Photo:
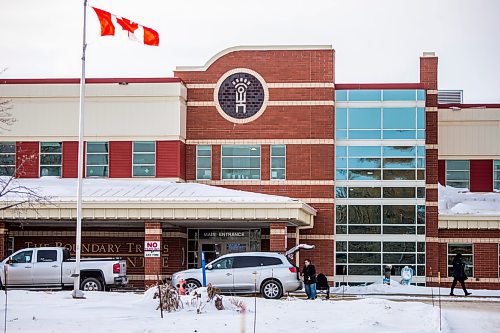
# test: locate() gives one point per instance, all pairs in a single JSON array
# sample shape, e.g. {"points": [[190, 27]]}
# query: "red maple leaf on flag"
{"points": [[127, 25]]}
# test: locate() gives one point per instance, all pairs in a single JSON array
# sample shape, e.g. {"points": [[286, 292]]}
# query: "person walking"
{"points": [[459, 274], [309, 274]]}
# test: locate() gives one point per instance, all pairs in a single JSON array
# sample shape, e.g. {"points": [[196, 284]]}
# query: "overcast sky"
{"points": [[375, 40]]}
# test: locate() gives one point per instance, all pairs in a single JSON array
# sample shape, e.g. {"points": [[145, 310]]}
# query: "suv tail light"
{"points": [[293, 269], [116, 268]]}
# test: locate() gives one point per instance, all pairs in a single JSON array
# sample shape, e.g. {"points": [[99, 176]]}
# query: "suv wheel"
{"points": [[191, 285], [272, 289]]}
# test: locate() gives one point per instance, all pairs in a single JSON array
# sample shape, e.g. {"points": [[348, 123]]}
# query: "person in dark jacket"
{"points": [[459, 274], [309, 274]]}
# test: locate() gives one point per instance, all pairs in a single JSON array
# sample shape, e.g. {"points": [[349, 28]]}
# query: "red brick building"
{"points": [[264, 120]]}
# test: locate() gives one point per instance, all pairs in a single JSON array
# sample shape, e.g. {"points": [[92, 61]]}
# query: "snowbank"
{"points": [[396, 288], [456, 201]]}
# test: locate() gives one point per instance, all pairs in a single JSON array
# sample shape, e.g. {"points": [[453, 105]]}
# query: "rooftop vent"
{"points": [[429, 54], [450, 96]]}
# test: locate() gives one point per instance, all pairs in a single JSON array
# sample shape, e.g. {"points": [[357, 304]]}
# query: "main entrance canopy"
{"points": [[178, 204]]}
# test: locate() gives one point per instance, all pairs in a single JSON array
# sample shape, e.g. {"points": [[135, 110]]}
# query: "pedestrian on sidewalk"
{"points": [[309, 275], [459, 274]]}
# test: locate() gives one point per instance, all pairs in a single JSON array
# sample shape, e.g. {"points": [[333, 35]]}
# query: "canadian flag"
{"points": [[111, 23]]}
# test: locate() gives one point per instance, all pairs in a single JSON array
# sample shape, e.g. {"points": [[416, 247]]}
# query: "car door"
{"points": [[20, 270], [246, 270], [47, 268], [220, 274]]}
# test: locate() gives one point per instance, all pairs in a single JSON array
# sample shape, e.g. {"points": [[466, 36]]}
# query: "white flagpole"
{"points": [[77, 293]]}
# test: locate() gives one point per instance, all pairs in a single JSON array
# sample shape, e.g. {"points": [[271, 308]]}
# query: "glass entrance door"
{"points": [[212, 251]]}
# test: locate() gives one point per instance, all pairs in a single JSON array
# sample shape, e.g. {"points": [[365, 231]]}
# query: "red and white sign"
{"points": [[152, 246]]}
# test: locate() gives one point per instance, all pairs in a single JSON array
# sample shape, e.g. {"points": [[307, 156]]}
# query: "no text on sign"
{"points": [[152, 246]]}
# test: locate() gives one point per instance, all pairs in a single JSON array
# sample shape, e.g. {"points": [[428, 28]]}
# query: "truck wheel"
{"points": [[272, 289], [91, 284], [192, 285]]}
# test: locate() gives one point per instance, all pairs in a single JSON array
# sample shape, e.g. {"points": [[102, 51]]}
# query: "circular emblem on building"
{"points": [[241, 95]]}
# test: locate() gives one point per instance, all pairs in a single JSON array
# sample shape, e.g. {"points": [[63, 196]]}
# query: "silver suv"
{"points": [[234, 273]]}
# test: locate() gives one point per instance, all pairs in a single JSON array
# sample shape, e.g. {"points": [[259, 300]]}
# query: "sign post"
{"points": [[203, 272]]}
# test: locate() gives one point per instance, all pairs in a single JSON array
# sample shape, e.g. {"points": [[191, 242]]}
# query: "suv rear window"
{"points": [[270, 261], [248, 261]]}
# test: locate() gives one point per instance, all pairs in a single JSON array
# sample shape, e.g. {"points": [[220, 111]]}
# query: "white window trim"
{"points": [[95, 165], [446, 173], [40, 165], [237, 180], [271, 163], [142, 153], [448, 255], [211, 153], [14, 153]]}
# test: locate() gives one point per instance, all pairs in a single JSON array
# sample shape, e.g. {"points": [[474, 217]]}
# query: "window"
{"points": [[278, 161], [144, 159], [458, 173], [240, 162], [496, 175], [203, 162], [46, 255], [269, 261], [7, 158], [50, 158], [369, 257], [380, 163], [387, 121], [467, 257], [243, 262], [97, 159], [22, 257], [225, 263]]}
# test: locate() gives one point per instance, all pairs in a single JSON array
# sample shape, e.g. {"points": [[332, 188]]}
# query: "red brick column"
{"points": [[3, 239], [429, 78], [152, 266], [278, 237]]}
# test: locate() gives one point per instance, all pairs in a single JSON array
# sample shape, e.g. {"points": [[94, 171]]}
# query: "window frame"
{"points": [[142, 164], [40, 165], [7, 166], [271, 162], [208, 157], [87, 165], [448, 255], [222, 157], [457, 170], [344, 250], [496, 172]]}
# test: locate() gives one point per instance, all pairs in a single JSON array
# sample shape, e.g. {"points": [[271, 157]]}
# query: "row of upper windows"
{"points": [[380, 162], [96, 159], [380, 123], [458, 174], [240, 162], [379, 95]]}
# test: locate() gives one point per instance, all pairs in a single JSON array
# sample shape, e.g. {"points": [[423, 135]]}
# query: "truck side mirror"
{"points": [[209, 267], [9, 261]]}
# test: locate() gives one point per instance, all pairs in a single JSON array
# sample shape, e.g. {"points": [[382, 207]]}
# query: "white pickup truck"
{"points": [[51, 267]]}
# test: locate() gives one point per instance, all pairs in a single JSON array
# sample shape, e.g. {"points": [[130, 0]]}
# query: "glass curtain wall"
{"points": [[379, 184]]}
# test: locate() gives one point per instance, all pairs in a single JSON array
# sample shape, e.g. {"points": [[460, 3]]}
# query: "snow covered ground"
{"points": [[30, 311]]}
